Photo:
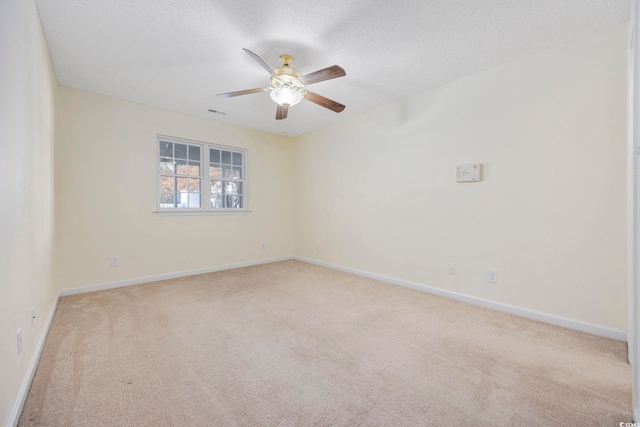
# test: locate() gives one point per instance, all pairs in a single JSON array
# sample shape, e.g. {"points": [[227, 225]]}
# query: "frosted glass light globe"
{"points": [[286, 96]]}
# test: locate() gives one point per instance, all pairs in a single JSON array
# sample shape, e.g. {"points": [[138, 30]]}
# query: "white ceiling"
{"points": [[177, 54]]}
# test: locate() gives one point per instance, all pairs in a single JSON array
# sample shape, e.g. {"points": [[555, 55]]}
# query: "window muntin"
{"points": [[182, 171]]}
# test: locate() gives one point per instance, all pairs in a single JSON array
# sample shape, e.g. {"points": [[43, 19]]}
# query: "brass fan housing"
{"points": [[286, 74]]}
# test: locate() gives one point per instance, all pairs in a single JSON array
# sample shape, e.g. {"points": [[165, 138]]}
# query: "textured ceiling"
{"points": [[177, 54]]}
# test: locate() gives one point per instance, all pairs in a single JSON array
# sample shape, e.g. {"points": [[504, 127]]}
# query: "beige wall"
{"points": [[27, 89], [378, 191], [105, 165]]}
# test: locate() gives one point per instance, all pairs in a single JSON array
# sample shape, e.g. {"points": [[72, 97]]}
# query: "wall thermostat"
{"points": [[469, 172]]}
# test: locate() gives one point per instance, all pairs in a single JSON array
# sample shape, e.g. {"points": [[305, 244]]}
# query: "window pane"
{"points": [[194, 168], [215, 171], [194, 185], [194, 152], [231, 173], [166, 165], [167, 184], [182, 200], [166, 149], [166, 200], [237, 173], [181, 151], [216, 187], [227, 173], [231, 202], [231, 187], [226, 157], [214, 156], [181, 167], [216, 194], [238, 202], [194, 200], [237, 159], [182, 184]]}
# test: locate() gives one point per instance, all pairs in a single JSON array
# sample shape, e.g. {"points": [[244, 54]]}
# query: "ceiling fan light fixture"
{"points": [[288, 85], [286, 96]]}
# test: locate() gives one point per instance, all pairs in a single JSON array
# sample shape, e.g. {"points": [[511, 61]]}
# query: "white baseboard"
{"points": [[577, 325], [157, 278], [14, 417]]}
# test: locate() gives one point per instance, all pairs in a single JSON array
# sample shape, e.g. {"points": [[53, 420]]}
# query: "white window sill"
{"points": [[203, 212]]}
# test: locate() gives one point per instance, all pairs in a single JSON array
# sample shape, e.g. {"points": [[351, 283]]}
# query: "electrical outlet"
{"points": [[492, 276], [19, 341], [317, 246], [452, 269], [115, 261], [263, 246]]}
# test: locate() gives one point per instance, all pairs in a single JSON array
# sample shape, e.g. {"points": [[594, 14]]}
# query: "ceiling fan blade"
{"points": [[281, 112], [324, 102], [322, 75], [261, 62], [242, 92]]}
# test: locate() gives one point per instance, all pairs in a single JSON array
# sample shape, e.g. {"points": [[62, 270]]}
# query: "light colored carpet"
{"points": [[294, 344]]}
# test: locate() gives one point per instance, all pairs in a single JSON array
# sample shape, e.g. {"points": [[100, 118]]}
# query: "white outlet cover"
{"points": [[452, 269], [492, 276], [471, 172]]}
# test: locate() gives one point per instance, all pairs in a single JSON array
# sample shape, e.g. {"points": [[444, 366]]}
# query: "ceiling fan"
{"points": [[288, 85]]}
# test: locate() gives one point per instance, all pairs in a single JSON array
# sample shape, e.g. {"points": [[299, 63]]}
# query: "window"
{"points": [[200, 177]]}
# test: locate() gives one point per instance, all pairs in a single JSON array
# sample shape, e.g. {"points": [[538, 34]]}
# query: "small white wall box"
{"points": [[469, 173]]}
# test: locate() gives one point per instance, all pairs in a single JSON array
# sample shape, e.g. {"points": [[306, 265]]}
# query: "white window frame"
{"points": [[205, 180]]}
